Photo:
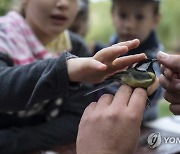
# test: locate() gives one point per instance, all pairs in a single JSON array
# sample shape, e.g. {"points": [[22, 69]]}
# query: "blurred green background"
{"points": [[4, 6], [169, 29], [100, 28]]}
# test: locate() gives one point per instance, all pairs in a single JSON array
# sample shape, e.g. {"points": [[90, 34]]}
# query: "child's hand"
{"points": [[103, 64]]}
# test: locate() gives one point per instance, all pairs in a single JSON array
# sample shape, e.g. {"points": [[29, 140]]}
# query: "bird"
{"points": [[142, 75]]}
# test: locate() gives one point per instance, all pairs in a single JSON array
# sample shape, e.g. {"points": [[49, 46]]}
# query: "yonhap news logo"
{"points": [[155, 139]]}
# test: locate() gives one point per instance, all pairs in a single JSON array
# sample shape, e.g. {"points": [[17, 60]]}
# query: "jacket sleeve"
{"points": [[22, 86], [59, 131]]}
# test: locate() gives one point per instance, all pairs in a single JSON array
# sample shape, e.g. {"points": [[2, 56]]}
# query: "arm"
{"points": [[49, 78], [57, 132], [22, 85]]}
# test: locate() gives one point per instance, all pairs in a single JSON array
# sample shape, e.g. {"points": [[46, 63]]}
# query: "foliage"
{"points": [[5, 4], [100, 26], [168, 29]]}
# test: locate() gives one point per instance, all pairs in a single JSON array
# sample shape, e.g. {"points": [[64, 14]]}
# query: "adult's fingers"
{"points": [[109, 54], [91, 107], [137, 102], [130, 44], [123, 62], [104, 101], [172, 97], [170, 61], [89, 110], [172, 85], [122, 96], [167, 72], [175, 109]]}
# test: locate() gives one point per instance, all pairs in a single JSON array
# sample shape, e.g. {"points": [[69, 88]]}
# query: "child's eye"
{"points": [[122, 15], [139, 17]]}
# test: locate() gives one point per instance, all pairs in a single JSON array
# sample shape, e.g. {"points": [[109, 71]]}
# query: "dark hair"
{"points": [[83, 11], [84, 6], [156, 4]]}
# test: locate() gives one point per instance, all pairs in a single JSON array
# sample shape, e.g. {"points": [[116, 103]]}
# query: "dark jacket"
{"points": [[55, 119]]}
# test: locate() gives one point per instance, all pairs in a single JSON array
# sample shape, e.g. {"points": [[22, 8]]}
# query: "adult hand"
{"points": [[112, 125], [170, 79]]}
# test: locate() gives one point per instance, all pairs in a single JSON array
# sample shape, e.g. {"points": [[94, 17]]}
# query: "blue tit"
{"points": [[142, 76]]}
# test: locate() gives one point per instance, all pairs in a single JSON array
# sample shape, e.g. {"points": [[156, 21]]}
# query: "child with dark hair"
{"points": [[138, 19]]}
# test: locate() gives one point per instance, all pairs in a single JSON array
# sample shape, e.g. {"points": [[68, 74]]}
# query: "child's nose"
{"points": [[63, 3], [130, 23]]}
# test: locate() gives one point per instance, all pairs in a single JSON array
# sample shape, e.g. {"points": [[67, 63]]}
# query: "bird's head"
{"points": [[146, 65]]}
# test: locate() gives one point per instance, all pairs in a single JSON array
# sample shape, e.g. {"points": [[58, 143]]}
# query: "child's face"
{"points": [[50, 17], [133, 19]]}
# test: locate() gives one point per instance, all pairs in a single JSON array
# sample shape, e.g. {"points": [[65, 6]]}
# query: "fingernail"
{"points": [[163, 55]]}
